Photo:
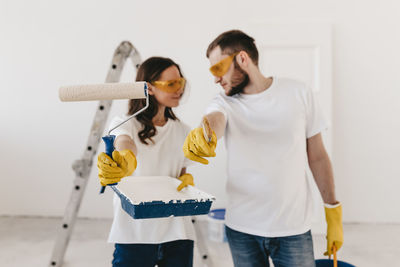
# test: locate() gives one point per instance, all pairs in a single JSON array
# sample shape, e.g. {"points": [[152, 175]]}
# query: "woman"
{"points": [[152, 142]]}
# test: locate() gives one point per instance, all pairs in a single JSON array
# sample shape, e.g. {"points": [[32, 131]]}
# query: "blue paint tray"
{"points": [[156, 196], [329, 263]]}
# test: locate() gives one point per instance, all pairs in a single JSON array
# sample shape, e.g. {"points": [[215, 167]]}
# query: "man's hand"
{"points": [[187, 179], [335, 228], [196, 146], [112, 170]]}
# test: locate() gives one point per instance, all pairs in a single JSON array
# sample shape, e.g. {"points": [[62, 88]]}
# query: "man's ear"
{"points": [[243, 59]]}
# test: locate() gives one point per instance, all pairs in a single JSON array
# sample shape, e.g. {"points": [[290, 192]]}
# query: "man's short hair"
{"points": [[235, 41]]}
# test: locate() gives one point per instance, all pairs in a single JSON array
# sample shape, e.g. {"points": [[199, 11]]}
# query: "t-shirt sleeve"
{"points": [[124, 129], [217, 104], [316, 121]]}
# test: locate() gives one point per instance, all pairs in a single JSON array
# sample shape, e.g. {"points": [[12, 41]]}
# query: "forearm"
{"points": [[217, 123], [323, 176], [125, 142]]}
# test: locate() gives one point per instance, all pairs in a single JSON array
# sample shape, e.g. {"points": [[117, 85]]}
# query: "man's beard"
{"points": [[240, 80]]}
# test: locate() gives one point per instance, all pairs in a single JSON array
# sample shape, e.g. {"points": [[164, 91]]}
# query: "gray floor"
{"points": [[27, 241]]}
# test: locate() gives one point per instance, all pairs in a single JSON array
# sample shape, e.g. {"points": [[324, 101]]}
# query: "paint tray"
{"points": [[156, 196]]}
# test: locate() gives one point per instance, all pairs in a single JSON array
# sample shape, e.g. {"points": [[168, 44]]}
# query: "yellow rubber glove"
{"points": [[196, 146], [112, 170], [335, 228], [187, 179]]}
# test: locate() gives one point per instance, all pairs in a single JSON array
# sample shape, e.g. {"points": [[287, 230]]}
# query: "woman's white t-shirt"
{"points": [[266, 136], [164, 157]]}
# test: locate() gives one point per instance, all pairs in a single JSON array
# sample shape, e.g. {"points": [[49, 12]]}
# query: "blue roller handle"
{"points": [[109, 142]]}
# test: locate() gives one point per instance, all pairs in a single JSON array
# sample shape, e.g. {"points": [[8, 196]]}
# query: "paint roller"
{"points": [[106, 91]]}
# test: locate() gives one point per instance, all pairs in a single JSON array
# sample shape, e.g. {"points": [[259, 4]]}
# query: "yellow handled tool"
{"points": [[207, 131]]}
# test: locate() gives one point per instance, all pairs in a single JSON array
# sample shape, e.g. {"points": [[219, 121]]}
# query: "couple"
{"points": [[272, 129]]}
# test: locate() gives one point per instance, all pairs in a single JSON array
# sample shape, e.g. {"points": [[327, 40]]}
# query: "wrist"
{"points": [[332, 205]]}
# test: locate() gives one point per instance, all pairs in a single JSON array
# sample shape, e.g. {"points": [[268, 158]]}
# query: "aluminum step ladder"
{"points": [[83, 166]]}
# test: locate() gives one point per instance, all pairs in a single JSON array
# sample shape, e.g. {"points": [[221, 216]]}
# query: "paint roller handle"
{"points": [[109, 143], [207, 131]]}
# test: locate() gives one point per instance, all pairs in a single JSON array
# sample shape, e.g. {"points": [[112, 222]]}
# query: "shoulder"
{"points": [[222, 100], [291, 84], [184, 127], [292, 88]]}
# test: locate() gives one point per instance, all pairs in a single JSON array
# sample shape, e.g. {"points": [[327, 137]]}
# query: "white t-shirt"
{"points": [[265, 137], [163, 158]]}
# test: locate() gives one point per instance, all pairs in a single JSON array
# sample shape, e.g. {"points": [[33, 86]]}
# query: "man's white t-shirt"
{"points": [[163, 158], [265, 137]]}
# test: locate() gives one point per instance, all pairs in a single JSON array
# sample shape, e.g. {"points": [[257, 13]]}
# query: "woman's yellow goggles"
{"points": [[170, 86], [221, 68]]}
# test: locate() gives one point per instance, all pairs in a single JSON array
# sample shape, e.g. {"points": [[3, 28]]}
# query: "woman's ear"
{"points": [[150, 89]]}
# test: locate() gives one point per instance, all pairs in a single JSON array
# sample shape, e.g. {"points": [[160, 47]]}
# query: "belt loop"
{"points": [[160, 252]]}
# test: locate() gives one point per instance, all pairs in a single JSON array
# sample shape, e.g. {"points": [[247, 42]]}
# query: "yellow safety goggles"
{"points": [[170, 86], [221, 68]]}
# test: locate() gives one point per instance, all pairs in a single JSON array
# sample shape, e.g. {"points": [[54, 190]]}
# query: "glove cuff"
{"points": [[125, 152], [131, 161], [333, 215], [185, 175], [330, 206]]}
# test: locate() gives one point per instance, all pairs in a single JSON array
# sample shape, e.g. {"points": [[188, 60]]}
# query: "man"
{"points": [[272, 129]]}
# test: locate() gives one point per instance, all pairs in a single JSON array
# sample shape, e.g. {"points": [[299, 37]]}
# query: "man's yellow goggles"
{"points": [[221, 68], [170, 86]]}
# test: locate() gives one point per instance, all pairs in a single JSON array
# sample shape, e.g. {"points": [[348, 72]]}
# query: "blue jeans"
{"points": [[253, 251], [177, 253]]}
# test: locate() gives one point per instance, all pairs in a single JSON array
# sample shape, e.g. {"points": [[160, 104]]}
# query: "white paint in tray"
{"points": [[159, 188]]}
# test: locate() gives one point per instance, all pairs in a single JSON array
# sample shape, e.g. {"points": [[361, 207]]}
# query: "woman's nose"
{"points": [[179, 92]]}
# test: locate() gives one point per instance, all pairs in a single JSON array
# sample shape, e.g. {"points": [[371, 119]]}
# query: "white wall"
{"points": [[45, 44]]}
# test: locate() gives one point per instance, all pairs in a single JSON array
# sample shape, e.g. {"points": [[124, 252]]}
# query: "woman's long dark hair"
{"points": [[150, 71]]}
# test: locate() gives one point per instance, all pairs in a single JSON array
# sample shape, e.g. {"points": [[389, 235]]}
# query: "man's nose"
{"points": [[217, 79]]}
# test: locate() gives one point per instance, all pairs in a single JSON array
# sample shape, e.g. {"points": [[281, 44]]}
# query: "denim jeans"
{"points": [[254, 251], [177, 253]]}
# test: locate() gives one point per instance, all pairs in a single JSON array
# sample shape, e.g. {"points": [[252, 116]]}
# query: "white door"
{"points": [[300, 51]]}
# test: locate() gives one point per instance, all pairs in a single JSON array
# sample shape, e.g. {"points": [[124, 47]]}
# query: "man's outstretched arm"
{"points": [[217, 122]]}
